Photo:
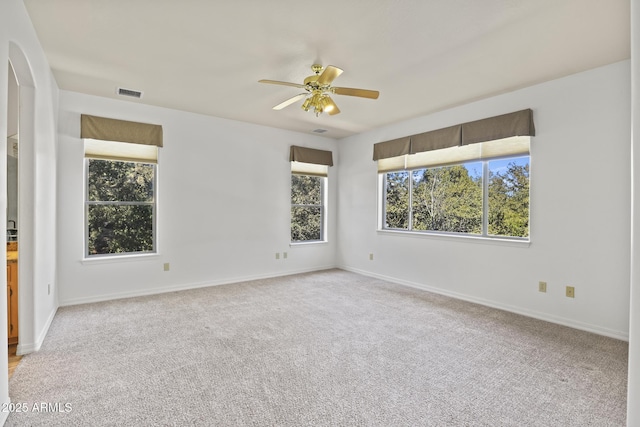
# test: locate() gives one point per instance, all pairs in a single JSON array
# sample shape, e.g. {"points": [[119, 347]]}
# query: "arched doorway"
{"points": [[25, 201], [13, 137]]}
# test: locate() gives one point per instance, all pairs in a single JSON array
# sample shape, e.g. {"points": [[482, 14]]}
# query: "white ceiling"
{"points": [[206, 56]]}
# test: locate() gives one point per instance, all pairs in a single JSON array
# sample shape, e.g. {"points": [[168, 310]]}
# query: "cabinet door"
{"points": [[8, 301], [12, 302]]}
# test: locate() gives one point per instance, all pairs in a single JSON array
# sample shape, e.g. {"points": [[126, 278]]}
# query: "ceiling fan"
{"points": [[318, 88]]}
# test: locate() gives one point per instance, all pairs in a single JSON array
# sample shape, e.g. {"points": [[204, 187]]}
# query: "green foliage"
{"points": [[306, 208], [397, 200], [120, 229], [447, 199], [120, 207], [116, 181], [509, 201]]}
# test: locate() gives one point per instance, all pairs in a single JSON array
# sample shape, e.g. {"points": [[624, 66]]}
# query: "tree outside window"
{"points": [[120, 207], [455, 199], [307, 208]]}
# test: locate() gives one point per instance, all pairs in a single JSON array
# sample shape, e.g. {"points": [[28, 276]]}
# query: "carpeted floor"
{"points": [[330, 348]]}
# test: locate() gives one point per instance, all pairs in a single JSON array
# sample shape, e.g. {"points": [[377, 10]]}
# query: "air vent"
{"points": [[129, 92], [319, 130]]}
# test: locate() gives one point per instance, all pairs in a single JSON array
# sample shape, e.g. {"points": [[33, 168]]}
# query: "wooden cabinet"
{"points": [[12, 301]]}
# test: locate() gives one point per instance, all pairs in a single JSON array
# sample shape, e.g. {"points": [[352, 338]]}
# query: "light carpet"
{"points": [[330, 348]]}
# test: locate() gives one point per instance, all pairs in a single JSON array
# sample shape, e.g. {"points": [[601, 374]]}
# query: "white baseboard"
{"points": [[596, 329], [26, 348], [184, 287]]}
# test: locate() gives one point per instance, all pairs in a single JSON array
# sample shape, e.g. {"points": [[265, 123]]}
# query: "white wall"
{"points": [[12, 103], [580, 209], [38, 118], [224, 204], [633, 397]]}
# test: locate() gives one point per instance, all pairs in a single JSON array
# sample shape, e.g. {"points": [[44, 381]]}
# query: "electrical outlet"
{"points": [[370, 257], [48, 288], [284, 255], [277, 255], [166, 266], [571, 292], [542, 286]]}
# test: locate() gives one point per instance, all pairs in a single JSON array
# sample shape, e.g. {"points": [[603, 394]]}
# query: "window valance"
{"points": [[393, 148], [310, 161], [93, 127], [519, 123], [436, 139], [310, 155]]}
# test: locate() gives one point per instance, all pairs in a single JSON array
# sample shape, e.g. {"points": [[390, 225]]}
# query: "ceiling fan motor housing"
{"points": [[311, 80]]}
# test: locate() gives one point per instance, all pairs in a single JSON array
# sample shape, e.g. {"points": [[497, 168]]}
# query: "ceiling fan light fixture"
{"points": [[306, 104], [318, 87], [326, 105]]}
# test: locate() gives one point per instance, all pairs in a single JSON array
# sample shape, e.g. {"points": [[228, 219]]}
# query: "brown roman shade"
{"points": [[519, 123], [436, 139], [497, 136], [310, 155], [310, 161], [393, 148], [105, 129]]}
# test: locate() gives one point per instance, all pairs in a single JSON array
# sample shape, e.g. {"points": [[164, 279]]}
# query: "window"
{"points": [[309, 171], [307, 208], [508, 197], [471, 178], [120, 185], [488, 198], [120, 207]]}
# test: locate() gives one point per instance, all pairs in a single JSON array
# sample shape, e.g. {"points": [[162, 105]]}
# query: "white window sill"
{"points": [[466, 238], [312, 243], [110, 259]]}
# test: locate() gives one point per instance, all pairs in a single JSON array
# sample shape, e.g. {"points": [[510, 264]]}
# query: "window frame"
{"points": [[154, 220], [382, 211], [323, 210]]}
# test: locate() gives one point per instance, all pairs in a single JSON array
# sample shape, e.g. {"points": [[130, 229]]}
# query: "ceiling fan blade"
{"points": [[289, 101], [328, 75], [362, 93], [330, 107], [276, 82]]}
